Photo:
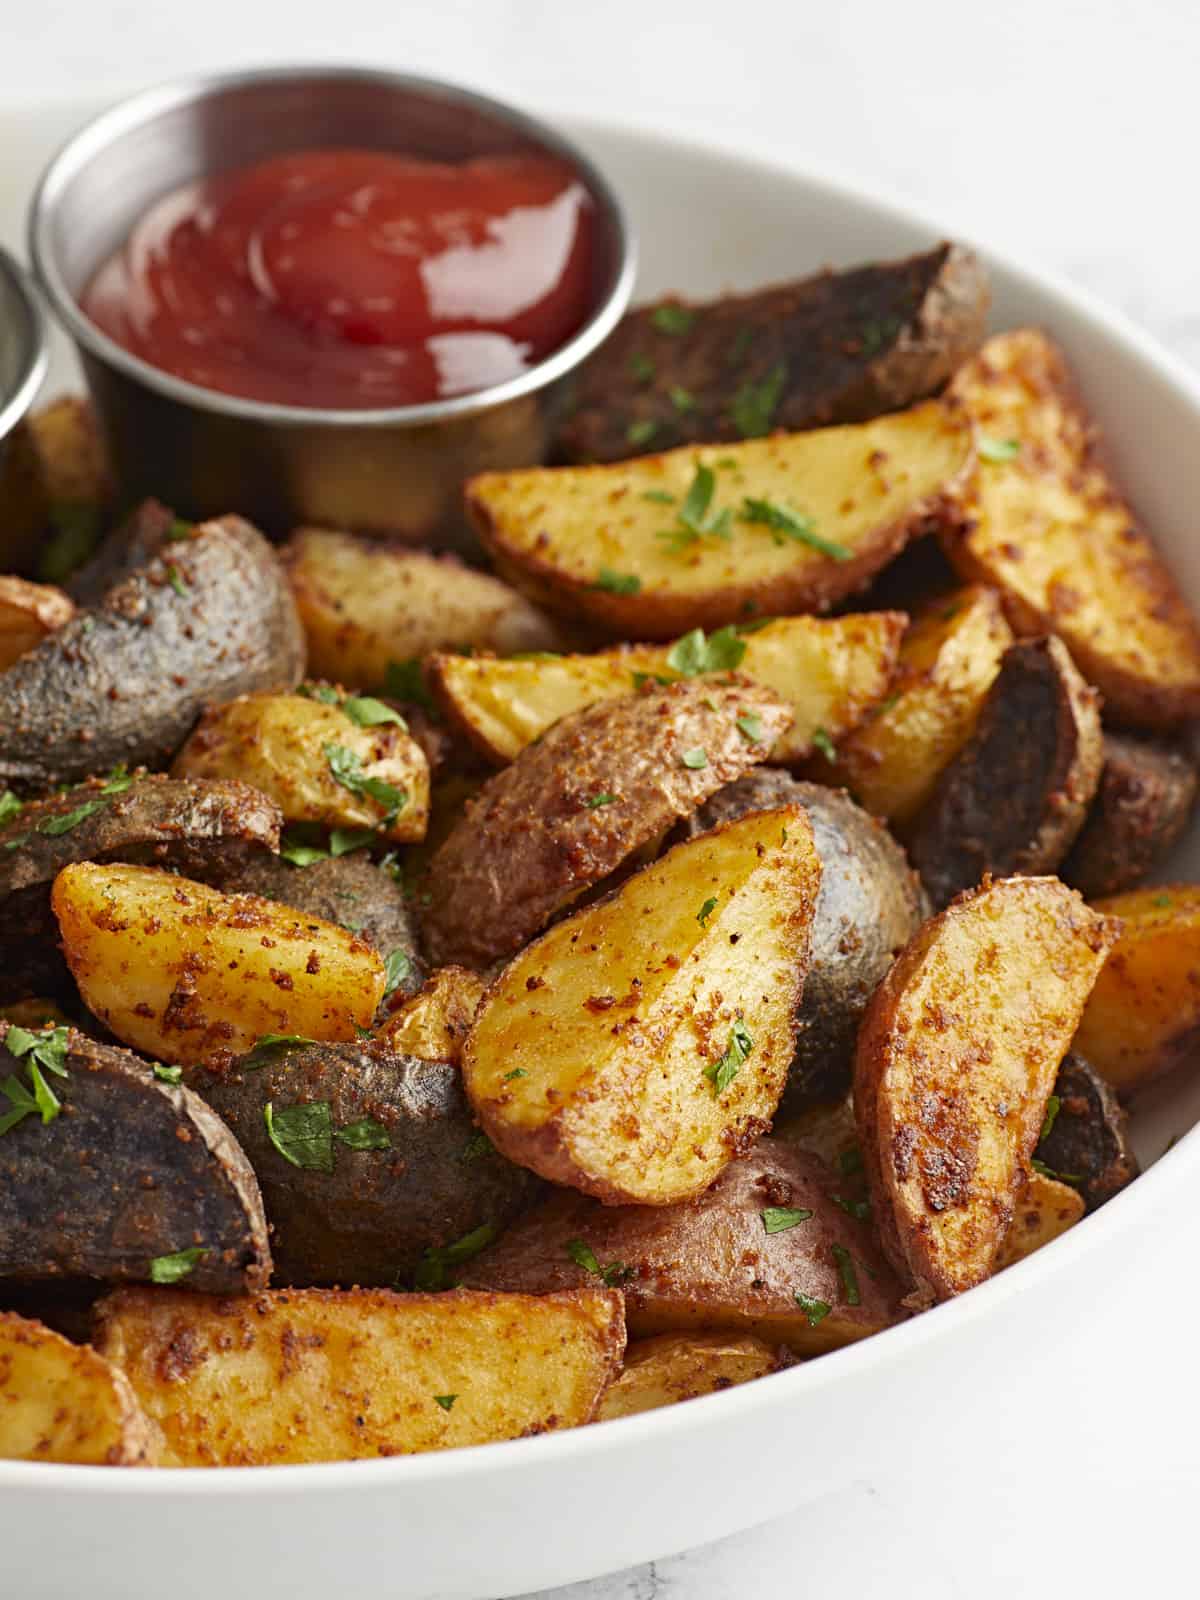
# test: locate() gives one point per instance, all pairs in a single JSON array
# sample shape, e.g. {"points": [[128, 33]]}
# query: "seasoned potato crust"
{"points": [[683, 1366]]}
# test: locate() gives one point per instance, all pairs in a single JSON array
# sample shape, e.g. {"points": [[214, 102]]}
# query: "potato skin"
{"points": [[852, 344], [869, 907], [28, 612], [1142, 806], [371, 1219], [529, 842], [1016, 795], [1088, 1139], [106, 688], [132, 1169], [206, 830], [710, 1264]]}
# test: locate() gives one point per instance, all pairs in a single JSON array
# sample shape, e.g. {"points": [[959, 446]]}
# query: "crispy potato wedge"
{"points": [[1087, 1140], [642, 1043], [327, 1375], [315, 762], [948, 661], [580, 803], [1015, 796], [683, 1366], [433, 1023], [180, 970], [119, 1171], [831, 671], [365, 605], [1142, 1018], [1045, 1208], [956, 1059], [585, 540], [1142, 806], [62, 1402], [28, 612], [1051, 531], [768, 1250]]}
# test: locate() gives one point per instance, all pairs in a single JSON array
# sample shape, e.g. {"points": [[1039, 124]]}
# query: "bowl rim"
{"points": [[143, 107], [839, 1368], [35, 355]]}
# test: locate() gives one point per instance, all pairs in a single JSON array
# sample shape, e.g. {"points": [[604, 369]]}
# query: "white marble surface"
{"points": [[1064, 130]]}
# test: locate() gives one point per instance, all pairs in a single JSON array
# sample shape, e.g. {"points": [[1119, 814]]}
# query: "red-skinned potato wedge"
{"points": [[641, 1044], [684, 1366], [1142, 1018], [293, 1376], [1045, 1209], [778, 1247], [831, 670], [1051, 531], [957, 1055], [62, 1402], [775, 526], [28, 612]]}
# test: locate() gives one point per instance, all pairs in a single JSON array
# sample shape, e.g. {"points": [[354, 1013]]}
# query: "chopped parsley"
{"points": [[617, 582], [1162, 901], [859, 1209], [168, 1074], [367, 712], [1052, 1108], [582, 1254], [876, 334], [682, 399], [343, 841], [404, 680], [295, 849], [517, 1072], [641, 431], [823, 743], [754, 404], [777, 1219], [178, 530], [52, 827], [850, 1161], [997, 450], [303, 1134], [268, 1045], [446, 1401], [1044, 1171], [395, 969], [432, 1270], [695, 653], [742, 340], [476, 1146], [76, 534], [785, 524], [641, 368], [673, 319], [19, 1098], [815, 1310], [706, 911], [47, 1048], [695, 518], [365, 1134], [749, 725], [696, 759], [639, 678], [175, 579], [346, 769], [596, 801], [170, 1269], [722, 1073], [845, 1266], [659, 496], [319, 691], [10, 807]]}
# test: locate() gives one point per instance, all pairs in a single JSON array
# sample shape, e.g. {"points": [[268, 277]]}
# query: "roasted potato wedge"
{"points": [[642, 1043], [367, 605], [684, 1366], [869, 907], [1145, 798], [768, 1250], [109, 1172], [62, 1402], [1052, 532], [207, 830], [831, 671], [125, 550], [780, 525], [28, 612], [433, 1023], [1045, 1209], [327, 1375], [368, 1161], [948, 661], [1084, 1137], [836, 347], [956, 1059], [1142, 1018], [180, 970], [572, 808], [210, 618], [1015, 796], [316, 762]]}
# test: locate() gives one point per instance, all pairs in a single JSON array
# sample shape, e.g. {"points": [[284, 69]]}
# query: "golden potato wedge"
{"points": [[63, 1402], [1051, 531], [434, 1023], [777, 1248], [638, 1046], [1142, 1018], [74, 465], [700, 537], [179, 970], [28, 612], [683, 1366], [365, 605], [1044, 1209], [831, 671], [316, 762], [957, 1055], [292, 1376], [948, 661]]}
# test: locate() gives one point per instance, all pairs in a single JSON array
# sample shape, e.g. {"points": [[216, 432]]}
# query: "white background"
{"points": [[1066, 131]]}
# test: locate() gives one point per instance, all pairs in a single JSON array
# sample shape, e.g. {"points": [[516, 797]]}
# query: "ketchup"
{"points": [[354, 278]]}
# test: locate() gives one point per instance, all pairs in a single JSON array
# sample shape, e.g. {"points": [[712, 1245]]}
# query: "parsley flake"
{"points": [[172, 1268], [682, 399], [175, 579], [446, 1401], [659, 496], [1059, 1177], [754, 404], [324, 692], [641, 431], [47, 1048], [1052, 1108], [268, 1045], [696, 759], [695, 653], [749, 725], [722, 1073], [297, 848], [431, 1273], [168, 1074], [10, 807], [997, 450], [404, 680], [673, 319], [815, 1310], [706, 911], [1162, 901], [859, 1209], [845, 1266], [777, 1219], [303, 1134], [476, 1146], [823, 743], [617, 582], [365, 1134], [695, 518], [346, 768], [517, 1072], [19, 1098], [367, 712], [395, 969], [582, 1254], [596, 801], [876, 334], [641, 368], [785, 524], [52, 827]]}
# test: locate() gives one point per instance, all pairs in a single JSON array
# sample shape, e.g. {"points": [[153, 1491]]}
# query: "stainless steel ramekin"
{"points": [[398, 470], [22, 347]]}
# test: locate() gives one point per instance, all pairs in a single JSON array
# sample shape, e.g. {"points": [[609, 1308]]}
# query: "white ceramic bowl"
{"points": [[507, 1518]]}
